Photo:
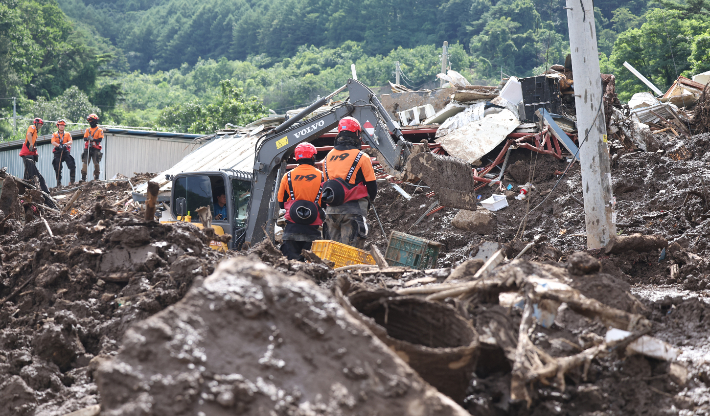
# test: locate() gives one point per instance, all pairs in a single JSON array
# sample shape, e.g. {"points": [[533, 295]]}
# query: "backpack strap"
{"points": [[320, 191], [290, 186], [325, 168], [352, 168]]}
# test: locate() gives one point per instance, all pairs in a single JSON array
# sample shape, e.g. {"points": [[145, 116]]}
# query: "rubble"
{"points": [[68, 298], [104, 310]]}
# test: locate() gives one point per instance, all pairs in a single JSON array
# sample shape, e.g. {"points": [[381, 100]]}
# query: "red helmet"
{"points": [[92, 117], [349, 124], [38, 121], [305, 150], [62, 122]]}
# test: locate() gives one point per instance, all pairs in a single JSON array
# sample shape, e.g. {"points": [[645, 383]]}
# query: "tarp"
{"points": [[474, 140]]}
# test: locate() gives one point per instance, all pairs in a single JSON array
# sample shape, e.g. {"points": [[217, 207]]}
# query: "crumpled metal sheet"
{"points": [[472, 113], [472, 141]]}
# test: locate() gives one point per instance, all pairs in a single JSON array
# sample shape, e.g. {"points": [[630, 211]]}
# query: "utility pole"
{"points": [[444, 61], [14, 114], [594, 153], [396, 72]]}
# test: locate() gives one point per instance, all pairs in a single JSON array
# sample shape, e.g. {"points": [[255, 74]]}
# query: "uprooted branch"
{"points": [[592, 308], [558, 367]]}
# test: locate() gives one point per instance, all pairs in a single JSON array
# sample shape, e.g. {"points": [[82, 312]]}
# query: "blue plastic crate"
{"points": [[410, 251]]}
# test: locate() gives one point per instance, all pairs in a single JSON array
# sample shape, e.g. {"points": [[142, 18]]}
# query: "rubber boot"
{"points": [[83, 177], [72, 177]]}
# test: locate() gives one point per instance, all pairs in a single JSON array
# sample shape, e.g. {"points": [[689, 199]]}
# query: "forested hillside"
{"points": [[140, 62], [517, 35]]}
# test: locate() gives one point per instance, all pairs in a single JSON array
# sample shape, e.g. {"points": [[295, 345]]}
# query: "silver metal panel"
{"points": [[146, 154], [224, 152]]}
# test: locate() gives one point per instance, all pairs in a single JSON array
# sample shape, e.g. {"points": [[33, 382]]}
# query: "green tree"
{"points": [[660, 50], [233, 107]]}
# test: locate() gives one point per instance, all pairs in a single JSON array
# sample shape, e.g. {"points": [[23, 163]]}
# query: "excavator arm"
{"points": [[274, 148]]}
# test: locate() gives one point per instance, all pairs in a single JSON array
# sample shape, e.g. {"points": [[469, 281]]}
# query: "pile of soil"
{"points": [[252, 341], [69, 298]]}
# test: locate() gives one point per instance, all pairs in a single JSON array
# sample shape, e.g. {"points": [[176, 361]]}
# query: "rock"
{"points": [[58, 340], [245, 340], [53, 273], [481, 222], [580, 263], [16, 397], [132, 236], [465, 270]]}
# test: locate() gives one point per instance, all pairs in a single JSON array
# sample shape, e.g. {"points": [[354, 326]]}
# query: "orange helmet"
{"points": [[92, 117], [62, 122]]}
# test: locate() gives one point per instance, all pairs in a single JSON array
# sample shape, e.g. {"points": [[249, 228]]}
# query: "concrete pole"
{"points": [[14, 114], [396, 72], [444, 61], [594, 153]]}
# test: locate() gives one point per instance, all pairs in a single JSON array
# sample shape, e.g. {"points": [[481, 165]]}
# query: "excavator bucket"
{"points": [[451, 179]]}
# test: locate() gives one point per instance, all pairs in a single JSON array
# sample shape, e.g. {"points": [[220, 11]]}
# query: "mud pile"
{"points": [[252, 341], [69, 297]]}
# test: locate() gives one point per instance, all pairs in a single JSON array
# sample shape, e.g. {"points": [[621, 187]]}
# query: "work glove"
{"points": [[218, 217]]}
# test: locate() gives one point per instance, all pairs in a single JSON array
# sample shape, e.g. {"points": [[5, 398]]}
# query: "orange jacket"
{"points": [[29, 144], [337, 164], [67, 140], [95, 134], [306, 181]]}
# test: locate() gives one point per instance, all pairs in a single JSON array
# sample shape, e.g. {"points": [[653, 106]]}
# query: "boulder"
{"points": [[481, 222]]}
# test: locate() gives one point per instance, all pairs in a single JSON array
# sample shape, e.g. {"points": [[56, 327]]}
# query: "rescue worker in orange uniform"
{"points": [[92, 147], [62, 142], [29, 156], [350, 186], [300, 194]]}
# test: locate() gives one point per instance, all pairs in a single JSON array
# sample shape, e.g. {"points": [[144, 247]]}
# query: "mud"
{"points": [[103, 270], [252, 341]]}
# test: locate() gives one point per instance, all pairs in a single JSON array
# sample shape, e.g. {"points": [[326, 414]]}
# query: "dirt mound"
{"points": [[68, 298], [252, 341]]}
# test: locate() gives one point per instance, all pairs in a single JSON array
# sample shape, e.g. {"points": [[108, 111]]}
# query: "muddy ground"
{"points": [[106, 270]]}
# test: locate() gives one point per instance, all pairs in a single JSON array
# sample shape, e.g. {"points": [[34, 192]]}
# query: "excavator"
{"points": [[251, 196]]}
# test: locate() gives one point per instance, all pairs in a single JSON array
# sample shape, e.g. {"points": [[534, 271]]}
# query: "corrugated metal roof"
{"points": [[646, 114], [221, 152]]}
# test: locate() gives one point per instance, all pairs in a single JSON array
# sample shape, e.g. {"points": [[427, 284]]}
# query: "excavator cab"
{"points": [[226, 192]]}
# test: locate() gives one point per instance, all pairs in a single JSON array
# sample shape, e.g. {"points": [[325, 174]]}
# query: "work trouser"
{"points": [[350, 229], [94, 155], [292, 249], [65, 157], [31, 171]]}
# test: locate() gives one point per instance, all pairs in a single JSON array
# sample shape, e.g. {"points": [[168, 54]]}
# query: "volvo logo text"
{"points": [[310, 128]]}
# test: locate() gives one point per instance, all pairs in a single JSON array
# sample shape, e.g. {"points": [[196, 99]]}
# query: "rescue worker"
{"points": [[29, 156], [349, 188], [300, 194], [92, 147], [62, 142], [220, 208]]}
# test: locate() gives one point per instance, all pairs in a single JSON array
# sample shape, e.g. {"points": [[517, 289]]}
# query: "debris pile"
{"points": [[72, 283]]}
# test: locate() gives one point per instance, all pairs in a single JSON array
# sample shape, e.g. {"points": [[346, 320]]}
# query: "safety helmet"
{"points": [[38, 121], [305, 151], [92, 117], [349, 124], [62, 122]]}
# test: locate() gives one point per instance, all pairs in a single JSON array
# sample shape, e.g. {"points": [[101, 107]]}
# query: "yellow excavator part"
{"points": [[214, 245]]}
